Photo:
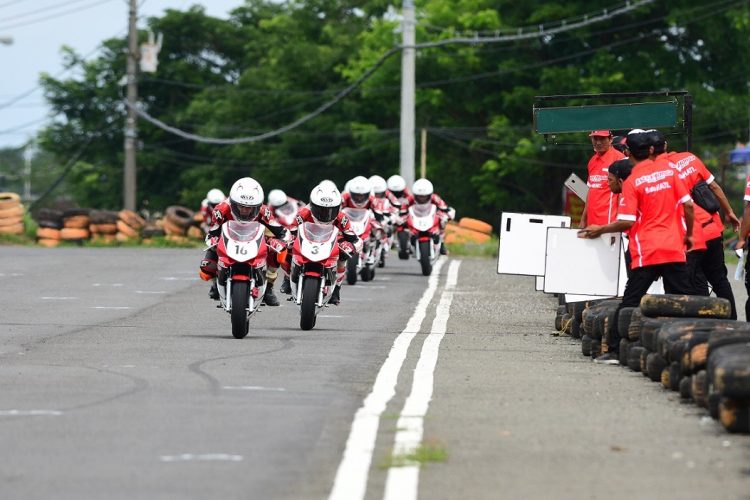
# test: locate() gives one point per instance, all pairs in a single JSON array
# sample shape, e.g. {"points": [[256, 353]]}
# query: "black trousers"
{"points": [[747, 283], [676, 281], [708, 266]]}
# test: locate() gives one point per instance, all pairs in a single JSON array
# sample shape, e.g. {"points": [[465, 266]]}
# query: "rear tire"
{"points": [[240, 302], [424, 258], [310, 289], [351, 269], [403, 245]]}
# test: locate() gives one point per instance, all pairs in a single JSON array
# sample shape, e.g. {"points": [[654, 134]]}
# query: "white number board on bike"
{"points": [[582, 266], [522, 242]]}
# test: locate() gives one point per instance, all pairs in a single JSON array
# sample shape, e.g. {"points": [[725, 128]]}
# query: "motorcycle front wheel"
{"points": [[424, 257], [351, 269], [403, 245], [240, 302], [310, 289]]}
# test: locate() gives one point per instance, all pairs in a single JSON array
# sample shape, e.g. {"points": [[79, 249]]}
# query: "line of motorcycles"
{"points": [[243, 249]]}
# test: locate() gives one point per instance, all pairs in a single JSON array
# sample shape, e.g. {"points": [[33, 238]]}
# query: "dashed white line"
{"points": [[402, 482], [59, 298], [29, 413], [147, 292], [111, 307], [351, 477], [252, 388]]}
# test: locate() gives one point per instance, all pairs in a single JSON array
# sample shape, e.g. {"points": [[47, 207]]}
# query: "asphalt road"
{"points": [[120, 379]]}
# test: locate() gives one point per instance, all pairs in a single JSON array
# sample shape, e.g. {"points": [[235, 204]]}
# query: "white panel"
{"points": [[539, 284], [581, 266], [578, 186], [571, 297], [523, 240]]}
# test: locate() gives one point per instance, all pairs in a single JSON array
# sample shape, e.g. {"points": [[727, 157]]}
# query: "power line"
{"points": [[43, 9], [11, 2], [54, 16], [68, 167]]}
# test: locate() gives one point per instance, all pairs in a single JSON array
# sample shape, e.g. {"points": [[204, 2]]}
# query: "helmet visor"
{"points": [[422, 198], [244, 212], [360, 199], [398, 194], [324, 214]]}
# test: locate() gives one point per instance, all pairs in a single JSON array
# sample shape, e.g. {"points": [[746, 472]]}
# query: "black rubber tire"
{"points": [[634, 357], [424, 258], [685, 306], [566, 322], [699, 389], [49, 214], [644, 357], [623, 321], [675, 375], [634, 329], [179, 216], [351, 269], [588, 321], [596, 348], [685, 383], [714, 400], [50, 224], [103, 217], [728, 370], [575, 328], [623, 351], [558, 317], [152, 231], [734, 415], [586, 345], [310, 289], [75, 212], [240, 298], [655, 364], [403, 245], [738, 335], [577, 311]]}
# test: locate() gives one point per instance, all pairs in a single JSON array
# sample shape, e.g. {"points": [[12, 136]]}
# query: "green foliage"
{"points": [[273, 62]]}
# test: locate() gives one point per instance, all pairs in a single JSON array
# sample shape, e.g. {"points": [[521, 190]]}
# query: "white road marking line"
{"points": [[147, 292], [206, 457], [402, 482], [332, 316], [351, 476], [252, 388], [11, 275], [28, 413], [173, 278], [111, 307], [59, 298]]}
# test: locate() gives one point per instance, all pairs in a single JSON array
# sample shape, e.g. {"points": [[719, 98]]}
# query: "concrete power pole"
{"points": [[131, 132], [407, 93]]}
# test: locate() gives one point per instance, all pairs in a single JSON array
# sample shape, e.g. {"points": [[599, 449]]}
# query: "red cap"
{"points": [[600, 133]]}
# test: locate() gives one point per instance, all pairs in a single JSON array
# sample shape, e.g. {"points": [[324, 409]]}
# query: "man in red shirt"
{"points": [[742, 243], [601, 204], [648, 210], [706, 260]]}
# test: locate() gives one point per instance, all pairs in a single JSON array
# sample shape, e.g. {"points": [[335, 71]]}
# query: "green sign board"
{"points": [[605, 117]]}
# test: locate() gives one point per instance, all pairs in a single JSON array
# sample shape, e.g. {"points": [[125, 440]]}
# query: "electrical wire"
{"points": [[43, 9], [11, 2], [66, 170], [54, 16]]}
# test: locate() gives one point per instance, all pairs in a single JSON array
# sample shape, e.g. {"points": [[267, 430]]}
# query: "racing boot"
{"points": [[443, 250], [286, 287], [269, 298], [335, 298], [213, 293]]}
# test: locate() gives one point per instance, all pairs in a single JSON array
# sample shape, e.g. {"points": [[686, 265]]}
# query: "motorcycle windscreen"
{"points": [[423, 210], [582, 266], [318, 233], [357, 214], [244, 231], [523, 239]]}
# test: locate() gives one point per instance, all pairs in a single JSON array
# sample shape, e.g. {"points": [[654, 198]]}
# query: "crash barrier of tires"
{"points": [[11, 214], [181, 223], [468, 230], [686, 343]]}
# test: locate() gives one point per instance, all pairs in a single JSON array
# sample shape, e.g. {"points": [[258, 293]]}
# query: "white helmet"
{"points": [[214, 197], [359, 190], [378, 185], [396, 185], [422, 191], [245, 199], [325, 202], [277, 198]]}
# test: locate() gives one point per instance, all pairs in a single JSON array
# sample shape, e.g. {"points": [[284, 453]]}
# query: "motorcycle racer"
{"points": [[423, 193], [213, 198], [245, 203]]}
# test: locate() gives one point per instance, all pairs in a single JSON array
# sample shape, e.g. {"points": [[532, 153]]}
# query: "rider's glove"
{"points": [[276, 245], [347, 248]]}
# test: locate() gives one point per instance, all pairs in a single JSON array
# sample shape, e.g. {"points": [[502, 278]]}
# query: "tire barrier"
{"points": [[686, 344], [455, 233], [11, 214], [179, 216], [475, 225]]}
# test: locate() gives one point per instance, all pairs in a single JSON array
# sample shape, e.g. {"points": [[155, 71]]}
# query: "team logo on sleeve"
{"points": [[217, 215]]}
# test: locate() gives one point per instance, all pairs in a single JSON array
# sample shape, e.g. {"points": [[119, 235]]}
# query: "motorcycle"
{"points": [[313, 276], [424, 227], [367, 228], [402, 232], [383, 206], [285, 214], [242, 252]]}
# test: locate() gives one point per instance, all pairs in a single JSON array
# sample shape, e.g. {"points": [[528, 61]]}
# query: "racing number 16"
{"points": [[240, 249]]}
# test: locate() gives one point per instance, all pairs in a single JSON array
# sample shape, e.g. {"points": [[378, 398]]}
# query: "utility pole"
{"points": [[131, 132], [407, 92], [28, 154], [423, 159]]}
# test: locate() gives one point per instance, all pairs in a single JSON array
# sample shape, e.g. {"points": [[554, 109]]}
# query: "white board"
{"points": [[578, 186], [523, 239], [582, 266]]}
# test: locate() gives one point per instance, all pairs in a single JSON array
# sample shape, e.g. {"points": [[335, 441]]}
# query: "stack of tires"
{"points": [[76, 224], [50, 223], [103, 226], [596, 320], [177, 222], [468, 230], [129, 225], [727, 378], [11, 214]]}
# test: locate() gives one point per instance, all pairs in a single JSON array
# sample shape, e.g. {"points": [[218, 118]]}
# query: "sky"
{"points": [[39, 29]]}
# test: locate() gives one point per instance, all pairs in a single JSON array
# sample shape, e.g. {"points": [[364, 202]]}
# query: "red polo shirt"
{"points": [[747, 189], [691, 170], [650, 198], [601, 204]]}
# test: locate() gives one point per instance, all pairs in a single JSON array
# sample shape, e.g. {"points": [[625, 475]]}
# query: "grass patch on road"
{"points": [[488, 249], [428, 451]]}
